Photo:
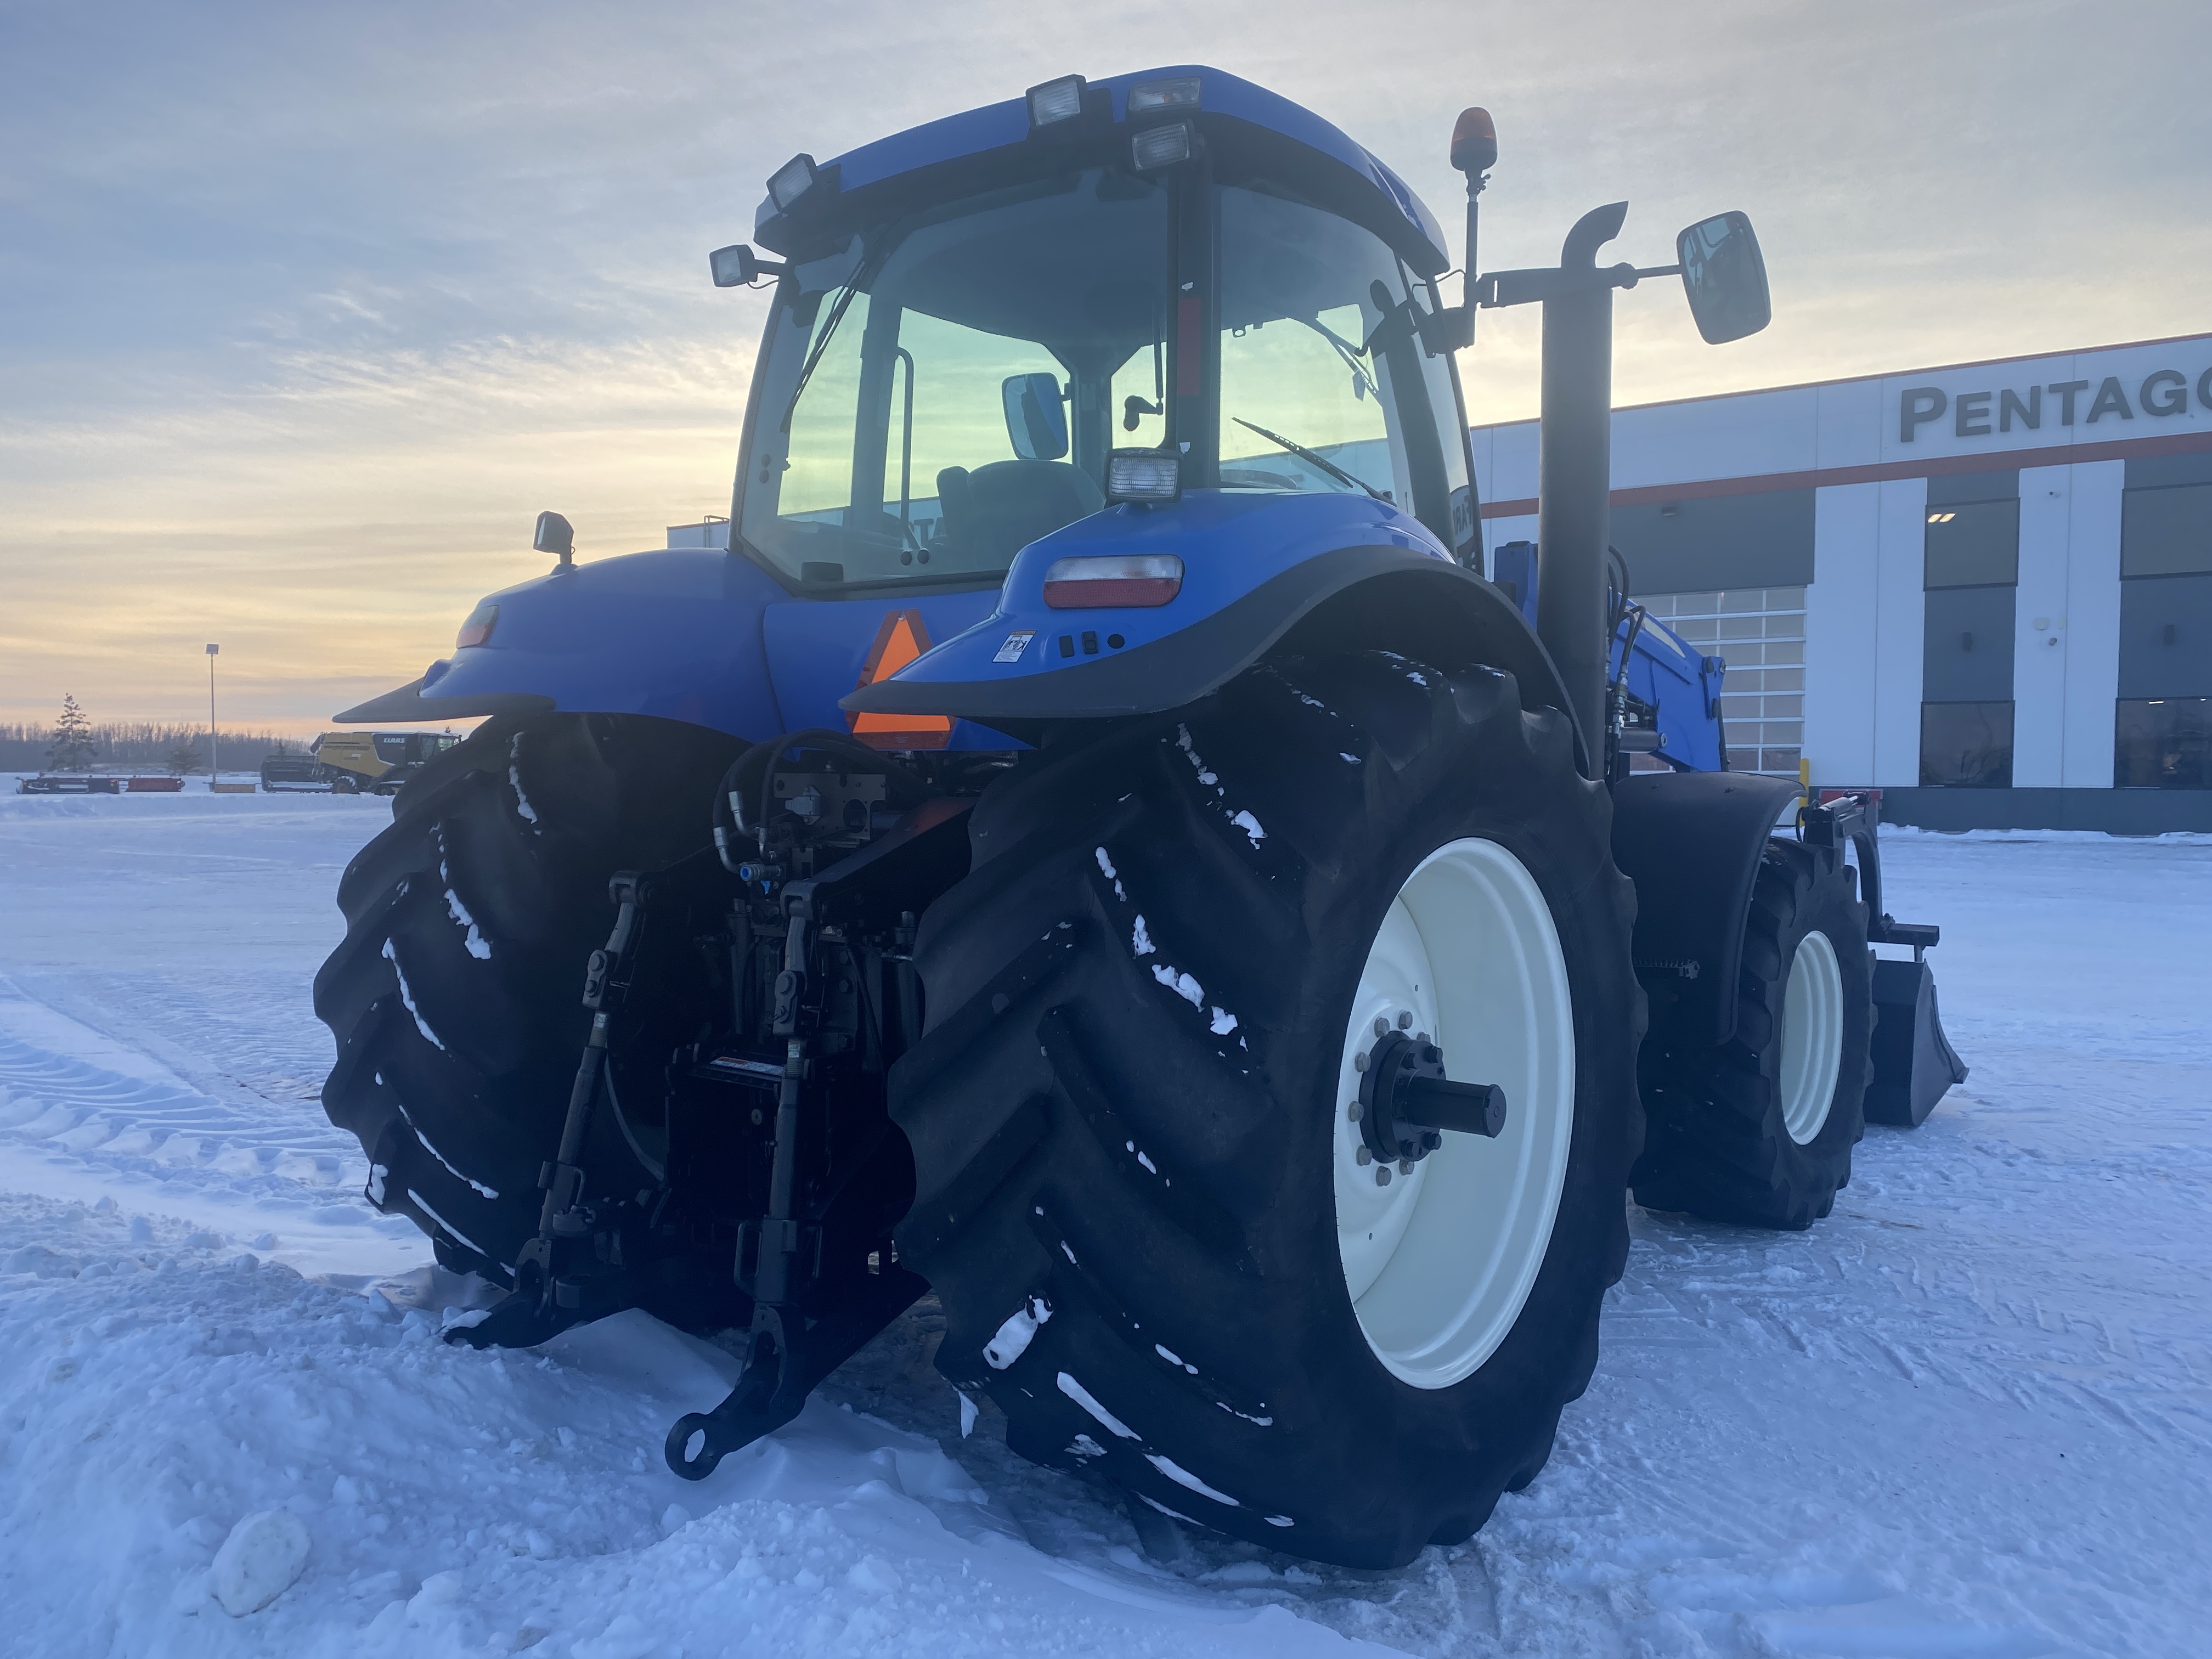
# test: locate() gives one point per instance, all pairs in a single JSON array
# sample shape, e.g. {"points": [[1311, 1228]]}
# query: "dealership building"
{"points": [[1986, 589]]}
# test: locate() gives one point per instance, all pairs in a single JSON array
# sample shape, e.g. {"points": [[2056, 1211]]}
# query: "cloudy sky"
{"points": [[307, 308]]}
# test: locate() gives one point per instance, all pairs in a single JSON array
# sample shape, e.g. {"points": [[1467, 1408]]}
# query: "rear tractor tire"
{"points": [[1758, 1131], [455, 999], [1163, 1244]]}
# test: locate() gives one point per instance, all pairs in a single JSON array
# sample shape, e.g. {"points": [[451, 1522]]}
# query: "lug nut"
{"points": [[1359, 1062], [1363, 1157], [1405, 1166], [1405, 1022], [1353, 1111], [1382, 1174], [1382, 1026]]}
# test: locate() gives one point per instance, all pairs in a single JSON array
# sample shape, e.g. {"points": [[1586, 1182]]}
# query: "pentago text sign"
{"points": [[2162, 392]]}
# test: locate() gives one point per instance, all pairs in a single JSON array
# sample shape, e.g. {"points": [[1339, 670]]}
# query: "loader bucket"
{"points": [[1914, 1063]]}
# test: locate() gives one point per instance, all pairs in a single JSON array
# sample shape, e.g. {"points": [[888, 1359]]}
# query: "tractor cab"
{"points": [[1153, 287]]}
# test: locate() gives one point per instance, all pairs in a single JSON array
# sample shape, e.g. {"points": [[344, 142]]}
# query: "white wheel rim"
{"points": [[1812, 1036], [1439, 1261]]}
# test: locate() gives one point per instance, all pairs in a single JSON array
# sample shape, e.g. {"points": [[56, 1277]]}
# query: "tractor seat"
{"points": [[995, 512]]}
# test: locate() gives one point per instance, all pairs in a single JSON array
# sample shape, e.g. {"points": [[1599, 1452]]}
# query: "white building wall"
{"points": [[1842, 617], [1900, 619], [2039, 628], [1754, 432], [1849, 430], [2092, 645]]}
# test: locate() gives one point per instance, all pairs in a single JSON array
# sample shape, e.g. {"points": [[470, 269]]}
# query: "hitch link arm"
{"points": [[775, 1381], [544, 1301]]}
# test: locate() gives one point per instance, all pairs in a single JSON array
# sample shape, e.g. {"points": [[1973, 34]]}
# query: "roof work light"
{"points": [[1055, 102], [1160, 147], [791, 181]]}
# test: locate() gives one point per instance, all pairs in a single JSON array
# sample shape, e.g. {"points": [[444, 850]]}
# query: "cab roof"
{"points": [[976, 133]]}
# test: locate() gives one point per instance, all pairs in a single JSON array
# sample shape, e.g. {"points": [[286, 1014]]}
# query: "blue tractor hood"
{"points": [[701, 636], [685, 634]]}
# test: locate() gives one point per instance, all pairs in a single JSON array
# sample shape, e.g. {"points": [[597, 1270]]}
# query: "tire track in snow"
{"points": [[258, 1171]]}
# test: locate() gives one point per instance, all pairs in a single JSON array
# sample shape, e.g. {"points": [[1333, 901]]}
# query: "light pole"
{"points": [[213, 772]]}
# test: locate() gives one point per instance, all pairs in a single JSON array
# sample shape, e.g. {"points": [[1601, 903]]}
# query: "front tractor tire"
{"points": [[1164, 1245], [455, 998], [1758, 1131]]}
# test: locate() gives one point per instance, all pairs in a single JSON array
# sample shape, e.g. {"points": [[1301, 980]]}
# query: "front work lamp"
{"points": [[738, 266], [1143, 475]]}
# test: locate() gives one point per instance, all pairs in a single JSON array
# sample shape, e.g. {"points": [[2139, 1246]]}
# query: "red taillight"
{"points": [[477, 628], [1142, 580]]}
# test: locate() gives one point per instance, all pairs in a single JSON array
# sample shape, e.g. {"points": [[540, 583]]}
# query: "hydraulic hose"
{"points": [[743, 802]]}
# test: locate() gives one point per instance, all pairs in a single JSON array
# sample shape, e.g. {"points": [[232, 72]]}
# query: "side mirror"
{"points": [[738, 266], [555, 535], [1724, 274], [1037, 425]]}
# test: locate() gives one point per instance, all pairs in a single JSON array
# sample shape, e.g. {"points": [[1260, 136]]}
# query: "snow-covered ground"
{"points": [[1970, 1414]]}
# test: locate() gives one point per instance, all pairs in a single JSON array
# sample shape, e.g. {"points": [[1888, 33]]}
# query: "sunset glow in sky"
{"points": [[306, 310]]}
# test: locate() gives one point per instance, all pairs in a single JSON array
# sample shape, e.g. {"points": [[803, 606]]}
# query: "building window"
{"points": [[1965, 745], [1971, 573], [2163, 714], [2165, 531], [1760, 632], [1973, 543], [2163, 743]]}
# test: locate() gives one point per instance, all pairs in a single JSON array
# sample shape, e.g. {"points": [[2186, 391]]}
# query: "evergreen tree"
{"points": [[72, 749], [185, 756]]}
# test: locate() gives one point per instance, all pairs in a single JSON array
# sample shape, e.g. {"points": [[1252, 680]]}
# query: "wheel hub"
{"points": [[1406, 1101]]}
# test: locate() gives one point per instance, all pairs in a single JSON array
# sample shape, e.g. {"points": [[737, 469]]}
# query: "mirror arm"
{"points": [[1520, 288]]}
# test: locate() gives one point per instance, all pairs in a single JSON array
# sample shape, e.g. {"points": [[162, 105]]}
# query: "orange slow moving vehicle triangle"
{"points": [[902, 637]]}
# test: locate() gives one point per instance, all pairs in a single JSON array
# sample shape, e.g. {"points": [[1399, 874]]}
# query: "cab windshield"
{"points": [[1325, 383], [931, 406], [943, 390]]}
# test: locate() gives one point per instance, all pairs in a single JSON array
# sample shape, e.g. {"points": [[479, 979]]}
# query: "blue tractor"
{"points": [[1096, 848]]}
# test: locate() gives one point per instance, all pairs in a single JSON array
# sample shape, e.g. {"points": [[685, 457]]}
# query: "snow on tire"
{"points": [[1127, 1110], [455, 998], [1759, 1130]]}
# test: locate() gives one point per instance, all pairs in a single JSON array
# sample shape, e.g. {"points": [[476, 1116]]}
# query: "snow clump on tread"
{"points": [[407, 997], [522, 806]]}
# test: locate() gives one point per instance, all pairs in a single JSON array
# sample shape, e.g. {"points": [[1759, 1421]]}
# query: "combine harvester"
{"points": [[347, 762], [1097, 847]]}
